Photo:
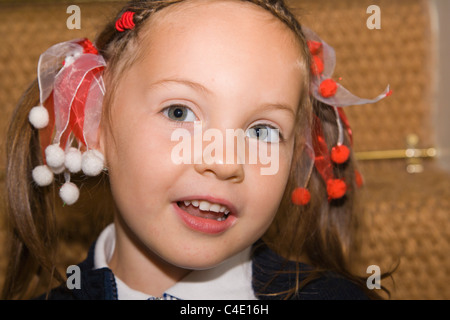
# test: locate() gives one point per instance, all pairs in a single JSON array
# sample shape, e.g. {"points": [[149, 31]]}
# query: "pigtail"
{"points": [[31, 220], [319, 229], [322, 232], [331, 244], [33, 235]]}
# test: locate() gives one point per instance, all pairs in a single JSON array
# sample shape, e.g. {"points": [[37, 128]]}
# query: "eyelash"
{"points": [[271, 127], [167, 109]]}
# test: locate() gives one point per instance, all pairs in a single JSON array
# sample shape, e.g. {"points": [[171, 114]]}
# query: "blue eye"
{"points": [[265, 133], [178, 112]]}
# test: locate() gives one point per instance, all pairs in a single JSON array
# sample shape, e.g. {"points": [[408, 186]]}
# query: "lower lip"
{"points": [[204, 225]]}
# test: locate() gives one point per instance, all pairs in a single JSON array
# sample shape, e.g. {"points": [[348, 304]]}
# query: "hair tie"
{"points": [[125, 22], [71, 94]]}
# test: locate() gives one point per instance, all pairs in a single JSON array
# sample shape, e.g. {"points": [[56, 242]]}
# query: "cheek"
{"points": [[266, 191], [139, 162]]}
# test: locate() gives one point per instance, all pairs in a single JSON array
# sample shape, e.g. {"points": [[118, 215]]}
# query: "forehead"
{"points": [[224, 24], [234, 48]]}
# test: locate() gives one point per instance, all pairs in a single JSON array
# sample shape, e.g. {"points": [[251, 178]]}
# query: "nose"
{"points": [[233, 172], [222, 163]]}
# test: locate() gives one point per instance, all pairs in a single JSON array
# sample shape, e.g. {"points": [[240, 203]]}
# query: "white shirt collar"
{"points": [[231, 280]]}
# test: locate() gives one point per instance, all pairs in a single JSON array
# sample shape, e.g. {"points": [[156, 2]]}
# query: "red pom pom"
{"points": [[336, 188], [314, 46], [340, 154], [316, 65], [328, 88], [300, 196]]}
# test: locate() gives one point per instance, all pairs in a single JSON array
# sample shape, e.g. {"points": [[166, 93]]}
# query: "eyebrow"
{"points": [[194, 85], [279, 106]]}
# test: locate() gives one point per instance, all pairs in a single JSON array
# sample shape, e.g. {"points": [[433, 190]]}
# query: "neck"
{"points": [[140, 268]]}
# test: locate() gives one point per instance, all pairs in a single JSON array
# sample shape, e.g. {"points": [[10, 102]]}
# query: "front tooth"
{"points": [[195, 203], [186, 203], [204, 206], [223, 209], [215, 207]]}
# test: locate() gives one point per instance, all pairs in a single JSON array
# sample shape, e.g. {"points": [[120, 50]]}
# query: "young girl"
{"points": [[207, 228]]}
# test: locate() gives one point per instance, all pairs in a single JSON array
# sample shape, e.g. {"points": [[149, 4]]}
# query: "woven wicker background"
{"points": [[405, 217], [398, 54]]}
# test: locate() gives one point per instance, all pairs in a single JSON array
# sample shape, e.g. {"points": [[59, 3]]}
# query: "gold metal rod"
{"points": [[396, 154]]}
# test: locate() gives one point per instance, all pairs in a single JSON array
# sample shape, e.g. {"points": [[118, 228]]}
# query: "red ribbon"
{"points": [[76, 117], [322, 159], [336, 188], [346, 124]]}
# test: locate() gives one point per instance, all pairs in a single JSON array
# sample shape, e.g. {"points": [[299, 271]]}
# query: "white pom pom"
{"points": [[54, 156], [42, 175], [38, 117], [92, 162], [58, 170], [73, 160], [69, 193]]}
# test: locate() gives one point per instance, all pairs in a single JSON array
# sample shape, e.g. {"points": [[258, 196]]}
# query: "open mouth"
{"points": [[205, 209]]}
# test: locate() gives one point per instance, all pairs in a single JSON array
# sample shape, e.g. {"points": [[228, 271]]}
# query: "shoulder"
{"points": [[331, 286], [93, 284], [273, 275]]}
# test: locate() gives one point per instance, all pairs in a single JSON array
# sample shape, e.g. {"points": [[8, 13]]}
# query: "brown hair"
{"points": [[321, 231]]}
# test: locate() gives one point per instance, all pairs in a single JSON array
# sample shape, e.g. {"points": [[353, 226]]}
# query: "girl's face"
{"points": [[228, 65]]}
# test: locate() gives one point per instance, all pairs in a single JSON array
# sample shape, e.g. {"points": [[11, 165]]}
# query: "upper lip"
{"points": [[221, 201]]}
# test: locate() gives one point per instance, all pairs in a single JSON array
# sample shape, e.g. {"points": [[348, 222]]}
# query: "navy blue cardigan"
{"points": [[99, 284]]}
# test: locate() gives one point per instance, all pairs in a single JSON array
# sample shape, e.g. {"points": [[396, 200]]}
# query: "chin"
{"points": [[203, 259]]}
